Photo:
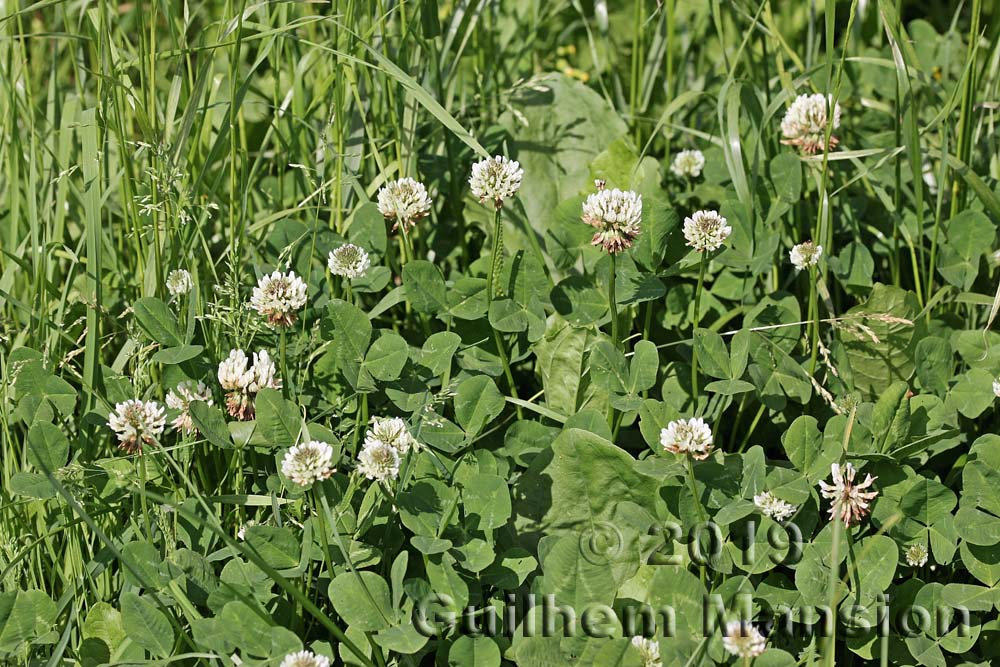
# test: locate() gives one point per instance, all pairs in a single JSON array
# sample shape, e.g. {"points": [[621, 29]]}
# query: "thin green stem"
{"points": [[694, 332], [613, 304]]}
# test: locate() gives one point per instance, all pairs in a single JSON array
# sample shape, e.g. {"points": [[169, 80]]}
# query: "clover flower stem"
{"points": [[613, 303], [834, 580], [814, 320], [140, 463], [702, 516], [405, 247], [284, 366], [323, 529], [496, 259], [694, 327], [502, 351]]}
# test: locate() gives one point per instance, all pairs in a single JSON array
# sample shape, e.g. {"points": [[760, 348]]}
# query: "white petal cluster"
{"points": [[305, 659], [242, 532], [616, 215], [349, 261], [687, 436], [495, 179], [916, 555], [706, 231], [278, 296], [996, 387], [805, 123], [137, 424], [743, 640], [773, 507], [850, 501], [378, 461], [404, 201], [805, 254], [393, 432], [649, 651], [688, 164], [179, 282], [241, 381], [308, 462], [180, 399]]}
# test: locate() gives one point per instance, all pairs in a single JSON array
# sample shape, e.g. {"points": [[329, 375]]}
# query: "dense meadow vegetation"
{"points": [[473, 333]]}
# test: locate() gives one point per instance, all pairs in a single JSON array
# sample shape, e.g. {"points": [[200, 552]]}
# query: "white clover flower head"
{"points": [[265, 374], [649, 651], [916, 555], [378, 461], [495, 179], [616, 215], [179, 282], [241, 383], [349, 261], [805, 123], [233, 373], [805, 254], [743, 640], [773, 507], [305, 659], [706, 231], [688, 436], [850, 501], [278, 296], [137, 424], [996, 387], [405, 201], [393, 432], [308, 462], [180, 399], [688, 164]]}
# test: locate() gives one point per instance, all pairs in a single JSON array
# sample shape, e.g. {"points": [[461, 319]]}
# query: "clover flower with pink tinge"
{"points": [[180, 398], [616, 215], [242, 382], [805, 123], [706, 231], [495, 179], [850, 501], [688, 436], [278, 297], [137, 424], [404, 202]]}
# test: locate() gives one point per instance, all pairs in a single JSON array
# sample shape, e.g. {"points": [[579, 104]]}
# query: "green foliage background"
{"points": [[232, 138]]}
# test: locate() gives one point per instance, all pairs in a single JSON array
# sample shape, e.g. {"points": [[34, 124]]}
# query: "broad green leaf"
{"points": [[48, 448], [477, 402], [425, 288], [386, 356], [362, 600], [158, 321], [487, 501], [278, 420], [146, 625], [211, 423], [474, 652], [177, 355]]}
